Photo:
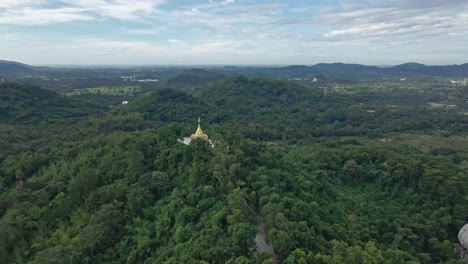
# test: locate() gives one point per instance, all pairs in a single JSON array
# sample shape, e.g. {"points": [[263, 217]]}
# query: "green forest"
{"points": [[375, 172]]}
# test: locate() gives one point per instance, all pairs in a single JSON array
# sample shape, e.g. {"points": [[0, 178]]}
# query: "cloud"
{"points": [[240, 31], [40, 12], [16, 3], [118, 9], [221, 18], [385, 20], [171, 51], [299, 10], [147, 31], [401, 4], [261, 8], [412, 19], [31, 16]]}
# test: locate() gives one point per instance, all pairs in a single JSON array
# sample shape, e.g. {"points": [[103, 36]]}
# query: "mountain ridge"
{"points": [[13, 67], [330, 70]]}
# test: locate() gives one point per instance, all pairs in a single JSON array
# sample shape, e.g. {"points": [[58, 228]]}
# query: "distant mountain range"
{"points": [[352, 71], [329, 70]]}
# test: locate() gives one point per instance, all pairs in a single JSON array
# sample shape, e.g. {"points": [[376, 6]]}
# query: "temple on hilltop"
{"points": [[197, 135]]}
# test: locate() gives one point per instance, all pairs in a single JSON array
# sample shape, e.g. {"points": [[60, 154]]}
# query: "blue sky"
{"points": [[229, 32]]}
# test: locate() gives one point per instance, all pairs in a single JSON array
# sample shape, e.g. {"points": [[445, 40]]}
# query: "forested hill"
{"points": [[30, 104], [167, 105], [360, 176], [352, 71], [193, 79], [11, 67], [189, 79], [267, 109], [260, 107]]}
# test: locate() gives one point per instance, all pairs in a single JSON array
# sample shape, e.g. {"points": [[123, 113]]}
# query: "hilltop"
{"points": [[169, 105], [12, 67], [193, 79], [260, 107], [31, 104]]}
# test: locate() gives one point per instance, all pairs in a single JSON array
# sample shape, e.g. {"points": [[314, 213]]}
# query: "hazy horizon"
{"points": [[84, 65]]}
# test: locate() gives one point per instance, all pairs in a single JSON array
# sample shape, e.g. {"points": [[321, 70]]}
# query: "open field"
{"points": [[114, 90]]}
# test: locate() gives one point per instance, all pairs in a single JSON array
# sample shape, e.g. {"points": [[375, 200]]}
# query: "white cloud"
{"points": [[412, 19], [119, 9], [146, 31], [241, 31], [39, 12], [299, 9], [31, 16], [18, 3]]}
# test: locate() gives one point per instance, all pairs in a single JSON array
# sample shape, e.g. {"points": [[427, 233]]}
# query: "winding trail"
{"points": [[260, 240]]}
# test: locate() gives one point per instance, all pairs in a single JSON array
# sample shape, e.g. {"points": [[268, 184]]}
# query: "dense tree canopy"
{"points": [[333, 182]]}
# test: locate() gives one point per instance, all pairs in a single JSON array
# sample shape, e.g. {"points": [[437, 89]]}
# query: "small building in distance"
{"points": [[197, 135], [460, 83]]}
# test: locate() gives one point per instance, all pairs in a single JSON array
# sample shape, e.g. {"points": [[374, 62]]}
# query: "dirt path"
{"points": [[260, 240]]}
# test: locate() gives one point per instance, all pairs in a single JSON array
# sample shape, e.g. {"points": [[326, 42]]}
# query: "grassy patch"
{"points": [[106, 90], [428, 143]]}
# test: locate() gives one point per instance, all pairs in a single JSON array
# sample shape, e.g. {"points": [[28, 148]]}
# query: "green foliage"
{"points": [[118, 188], [105, 90], [30, 104], [193, 79], [169, 106]]}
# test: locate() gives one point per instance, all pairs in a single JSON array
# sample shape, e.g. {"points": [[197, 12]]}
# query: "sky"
{"points": [[233, 32]]}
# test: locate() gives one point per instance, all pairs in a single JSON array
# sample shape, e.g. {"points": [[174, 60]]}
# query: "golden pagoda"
{"points": [[199, 133]]}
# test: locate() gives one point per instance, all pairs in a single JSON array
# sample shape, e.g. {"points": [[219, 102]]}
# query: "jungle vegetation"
{"points": [[361, 175]]}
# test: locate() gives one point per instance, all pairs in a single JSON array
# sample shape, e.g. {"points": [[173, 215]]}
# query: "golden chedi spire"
{"points": [[199, 131]]}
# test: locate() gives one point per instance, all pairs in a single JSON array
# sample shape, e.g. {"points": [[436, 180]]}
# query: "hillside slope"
{"points": [[193, 79], [259, 107], [169, 105], [12, 67], [30, 104]]}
